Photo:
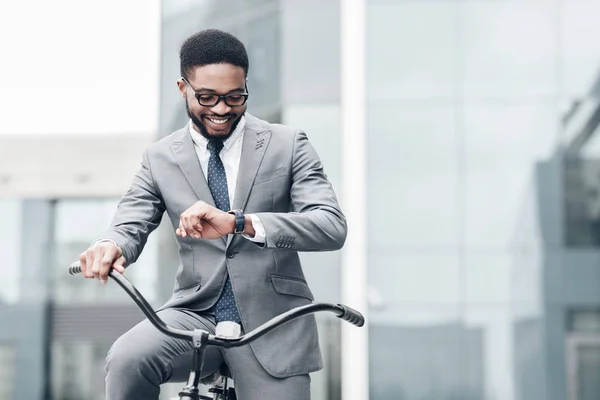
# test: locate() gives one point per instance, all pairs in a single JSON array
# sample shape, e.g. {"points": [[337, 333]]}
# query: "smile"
{"points": [[218, 121]]}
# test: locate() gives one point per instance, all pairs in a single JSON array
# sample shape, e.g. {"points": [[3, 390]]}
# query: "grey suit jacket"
{"points": [[281, 180]]}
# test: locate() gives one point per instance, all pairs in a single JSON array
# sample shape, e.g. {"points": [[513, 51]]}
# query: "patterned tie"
{"points": [[225, 308]]}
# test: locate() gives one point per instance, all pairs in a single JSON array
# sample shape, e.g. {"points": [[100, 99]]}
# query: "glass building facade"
{"points": [[470, 185], [483, 185]]}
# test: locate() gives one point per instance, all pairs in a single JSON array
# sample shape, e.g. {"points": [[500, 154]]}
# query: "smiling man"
{"points": [[244, 197]]}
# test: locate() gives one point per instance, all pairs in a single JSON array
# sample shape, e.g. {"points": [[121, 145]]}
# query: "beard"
{"points": [[204, 132]]}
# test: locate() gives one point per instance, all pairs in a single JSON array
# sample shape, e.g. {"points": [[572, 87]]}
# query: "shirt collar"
{"points": [[201, 141]]}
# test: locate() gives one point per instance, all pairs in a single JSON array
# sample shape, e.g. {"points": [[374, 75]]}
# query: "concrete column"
{"points": [[355, 345]]}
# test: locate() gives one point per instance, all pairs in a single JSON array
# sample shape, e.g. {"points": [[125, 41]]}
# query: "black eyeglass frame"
{"points": [[220, 97]]}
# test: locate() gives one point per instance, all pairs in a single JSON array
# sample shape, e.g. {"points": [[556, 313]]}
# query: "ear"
{"points": [[182, 87]]}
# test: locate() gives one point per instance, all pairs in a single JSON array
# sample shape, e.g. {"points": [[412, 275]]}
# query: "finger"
{"points": [[192, 226], [98, 253], [181, 228], [119, 265], [89, 261], [185, 222], [107, 260], [196, 228], [198, 225], [188, 225], [82, 263]]}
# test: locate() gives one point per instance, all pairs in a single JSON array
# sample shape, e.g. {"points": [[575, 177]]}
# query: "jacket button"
{"points": [[230, 254]]}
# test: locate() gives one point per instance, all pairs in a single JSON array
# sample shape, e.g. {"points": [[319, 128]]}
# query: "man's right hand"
{"points": [[99, 258]]}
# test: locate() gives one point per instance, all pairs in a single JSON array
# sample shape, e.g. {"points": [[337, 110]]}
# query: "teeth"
{"points": [[218, 121]]}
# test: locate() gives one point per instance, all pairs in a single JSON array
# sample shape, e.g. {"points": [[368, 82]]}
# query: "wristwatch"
{"points": [[240, 220]]}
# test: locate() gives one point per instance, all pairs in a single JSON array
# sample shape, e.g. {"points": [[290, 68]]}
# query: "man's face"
{"points": [[219, 121]]}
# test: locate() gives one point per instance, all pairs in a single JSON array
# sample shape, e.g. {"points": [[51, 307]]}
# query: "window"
{"points": [[7, 372], [10, 249]]}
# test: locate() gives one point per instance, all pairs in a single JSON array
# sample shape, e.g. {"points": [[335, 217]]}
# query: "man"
{"points": [[238, 268]]}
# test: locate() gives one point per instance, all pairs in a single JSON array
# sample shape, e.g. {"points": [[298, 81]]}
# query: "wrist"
{"points": [[248, 227], [231, 223]]}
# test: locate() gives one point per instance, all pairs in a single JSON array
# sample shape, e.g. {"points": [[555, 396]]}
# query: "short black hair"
{"points": [[212, 46]]}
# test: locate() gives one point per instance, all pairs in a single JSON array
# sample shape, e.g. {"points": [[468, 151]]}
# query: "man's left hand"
{"points": [[205, 221]]}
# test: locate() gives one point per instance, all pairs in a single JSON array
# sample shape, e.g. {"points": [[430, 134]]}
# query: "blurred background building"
{"points": [[483, 183]]}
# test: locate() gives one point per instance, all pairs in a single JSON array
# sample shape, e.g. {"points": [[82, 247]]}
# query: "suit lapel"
{"points": [[187, 159], [256, 141]]}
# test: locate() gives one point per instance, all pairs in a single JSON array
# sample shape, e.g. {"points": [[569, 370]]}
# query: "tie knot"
{"points": [[215, 146]]}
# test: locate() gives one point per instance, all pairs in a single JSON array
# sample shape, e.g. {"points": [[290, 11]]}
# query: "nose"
{"points": [[221, 108]]}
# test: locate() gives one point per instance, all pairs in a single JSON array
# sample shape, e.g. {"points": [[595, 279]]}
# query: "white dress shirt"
{"points": [[230, 156]]}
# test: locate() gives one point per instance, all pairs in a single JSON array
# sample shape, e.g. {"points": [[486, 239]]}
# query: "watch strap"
{"points": [[240, 221]]}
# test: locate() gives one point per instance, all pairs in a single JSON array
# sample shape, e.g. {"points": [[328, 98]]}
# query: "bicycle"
{"points": [[200, 338]]}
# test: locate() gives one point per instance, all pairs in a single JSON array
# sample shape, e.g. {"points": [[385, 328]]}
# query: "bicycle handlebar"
{"points": [[341, 311]]}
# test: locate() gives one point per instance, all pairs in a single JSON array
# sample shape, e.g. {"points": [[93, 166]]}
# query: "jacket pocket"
{"points": [[291, 286], [268, 176], [188, 290]]}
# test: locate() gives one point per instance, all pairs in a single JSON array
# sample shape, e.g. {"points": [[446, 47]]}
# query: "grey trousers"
{"points": [[143, 358]]}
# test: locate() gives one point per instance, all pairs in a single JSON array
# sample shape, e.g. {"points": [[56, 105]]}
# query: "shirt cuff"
{"points": [[259, 230]]}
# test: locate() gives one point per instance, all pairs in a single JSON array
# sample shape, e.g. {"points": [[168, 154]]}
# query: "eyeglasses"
{"points": [[211, 99]]}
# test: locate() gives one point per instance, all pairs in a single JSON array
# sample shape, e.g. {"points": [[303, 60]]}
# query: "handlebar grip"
{"points": [[75, 268], [351, 315]]}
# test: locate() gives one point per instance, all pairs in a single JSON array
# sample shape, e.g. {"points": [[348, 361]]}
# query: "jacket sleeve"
{"points": [[138, 214], [316, 222]]}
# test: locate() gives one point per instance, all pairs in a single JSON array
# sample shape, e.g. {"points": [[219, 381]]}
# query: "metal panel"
{"points": [[577, 375], [8, 371]]}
